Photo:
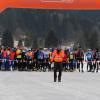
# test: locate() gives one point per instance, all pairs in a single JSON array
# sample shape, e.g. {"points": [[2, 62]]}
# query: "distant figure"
{"points": [[79, 55], [89, 59], [96, 59]]}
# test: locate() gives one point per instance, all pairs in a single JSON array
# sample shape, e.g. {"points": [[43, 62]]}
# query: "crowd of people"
{"points": [[16, 59]]}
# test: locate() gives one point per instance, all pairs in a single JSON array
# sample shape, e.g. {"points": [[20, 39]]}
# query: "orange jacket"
{"points": [[50, 56], [30, 54], [18, 52], [58, 57]]}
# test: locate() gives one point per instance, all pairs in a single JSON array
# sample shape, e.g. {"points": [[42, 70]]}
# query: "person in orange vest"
{"points": [[57, 58]]}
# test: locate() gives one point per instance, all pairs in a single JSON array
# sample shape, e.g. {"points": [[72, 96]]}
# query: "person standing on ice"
{"points": [[57, 58], [89, 59], [79, 55], [96, 58]]}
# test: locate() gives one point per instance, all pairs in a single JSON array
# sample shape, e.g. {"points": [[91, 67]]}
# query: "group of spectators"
{"points": [[12, 59]]}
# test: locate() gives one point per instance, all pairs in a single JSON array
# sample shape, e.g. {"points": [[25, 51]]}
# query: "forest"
{"points": [[35, 25]]}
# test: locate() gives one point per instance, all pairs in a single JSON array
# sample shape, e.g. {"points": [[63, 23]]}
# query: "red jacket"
{"points": [[4, 54], [65, 58], [12, 55]]}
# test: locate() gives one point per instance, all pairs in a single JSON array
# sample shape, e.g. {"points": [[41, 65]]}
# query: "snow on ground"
{"points": [[40, 86]]}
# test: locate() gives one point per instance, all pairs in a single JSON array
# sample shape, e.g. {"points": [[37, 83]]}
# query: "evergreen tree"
{"points": [[20, 43], [35, 44], [7, 39], [51, 40], [28, 42], [91, 39], [94, 42]]}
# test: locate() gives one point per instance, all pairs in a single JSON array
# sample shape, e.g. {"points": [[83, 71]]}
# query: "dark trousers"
{"points": [[29, 65], [96, 66], [57, 67], [64, 65], [80, 63], [89, 66], [40, 64], [71, 64]]}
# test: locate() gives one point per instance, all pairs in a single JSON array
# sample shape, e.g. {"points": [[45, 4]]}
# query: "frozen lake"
{"points": [[40, 86]]}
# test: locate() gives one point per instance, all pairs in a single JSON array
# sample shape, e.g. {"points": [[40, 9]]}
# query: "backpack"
{"points": [[89, 56], [79, 53], [40, 55]]}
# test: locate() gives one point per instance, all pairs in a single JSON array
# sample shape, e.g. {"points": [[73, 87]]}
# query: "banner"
{"points": [[51, 4]]}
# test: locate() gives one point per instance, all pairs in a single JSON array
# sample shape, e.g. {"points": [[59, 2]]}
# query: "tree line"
{"points": [[90, 40]]}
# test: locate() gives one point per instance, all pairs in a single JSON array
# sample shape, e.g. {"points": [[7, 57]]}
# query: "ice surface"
{"points": [[40, 86]]}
